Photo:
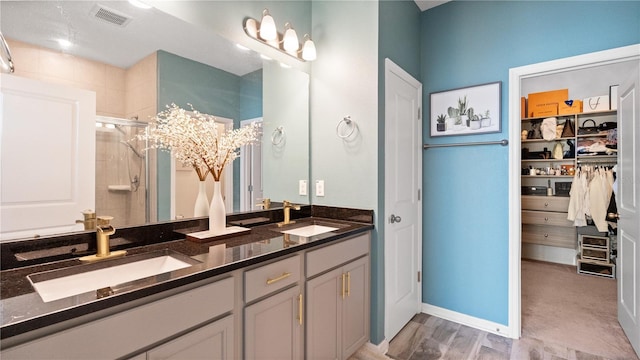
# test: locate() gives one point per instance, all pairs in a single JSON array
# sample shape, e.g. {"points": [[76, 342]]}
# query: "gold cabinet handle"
{"points": [[348, 284], [343, 285], [300, 309], [281, 277]]}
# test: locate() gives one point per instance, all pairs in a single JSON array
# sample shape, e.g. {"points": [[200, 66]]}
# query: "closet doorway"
{"points": [[523, 81]]}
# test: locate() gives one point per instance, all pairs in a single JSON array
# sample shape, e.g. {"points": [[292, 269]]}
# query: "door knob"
{"points": [[394, 219], [613, 216]]}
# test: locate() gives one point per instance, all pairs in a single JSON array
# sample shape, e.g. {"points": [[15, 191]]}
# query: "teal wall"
{"points": [[209, 90], [465, 218], [398, 40], [251, 95]]}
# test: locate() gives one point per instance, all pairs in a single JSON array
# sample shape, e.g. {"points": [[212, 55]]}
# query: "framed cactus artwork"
{"points": [[469, 110]]}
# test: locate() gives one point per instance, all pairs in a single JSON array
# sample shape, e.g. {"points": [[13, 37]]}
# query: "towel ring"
{"points": [[278, 135], [349, 123]]}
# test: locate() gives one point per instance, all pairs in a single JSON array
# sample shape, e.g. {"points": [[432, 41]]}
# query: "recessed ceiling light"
{"points": [[65, 43], [139, 4], [241, 47], [265, 57], [286, 66]]}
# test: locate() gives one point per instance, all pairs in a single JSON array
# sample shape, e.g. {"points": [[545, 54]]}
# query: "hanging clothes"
{"points": [[589, 197]]}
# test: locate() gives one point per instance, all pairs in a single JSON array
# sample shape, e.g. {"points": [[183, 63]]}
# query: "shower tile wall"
{"points": [[122, 93]]}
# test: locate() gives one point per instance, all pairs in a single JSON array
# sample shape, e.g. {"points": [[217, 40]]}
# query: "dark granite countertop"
{"points": [[22, 309]]}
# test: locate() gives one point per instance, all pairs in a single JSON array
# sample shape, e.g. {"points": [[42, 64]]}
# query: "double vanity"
{"points": [[289, 292]]}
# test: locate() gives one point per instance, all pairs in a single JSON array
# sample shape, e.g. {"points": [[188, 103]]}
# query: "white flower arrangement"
{"points": [[193, 138]]}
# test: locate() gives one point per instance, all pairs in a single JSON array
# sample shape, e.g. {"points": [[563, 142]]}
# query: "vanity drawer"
{"points": [[331, 256], [272, 277], [546, 203], [545, 218], [559, 236]]}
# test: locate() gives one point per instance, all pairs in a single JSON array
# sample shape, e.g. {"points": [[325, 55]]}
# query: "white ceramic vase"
{"points": [[201, 207], [217, 215]]}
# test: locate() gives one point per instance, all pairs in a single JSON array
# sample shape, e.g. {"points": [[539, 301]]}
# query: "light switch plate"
{"points": [[302, 187], [319, 187]]}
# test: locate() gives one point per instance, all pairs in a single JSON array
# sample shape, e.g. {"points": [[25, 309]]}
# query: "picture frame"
{"points": [[468, 110]]}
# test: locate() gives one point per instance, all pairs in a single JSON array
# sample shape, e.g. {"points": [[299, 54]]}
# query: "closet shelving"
{"points": [[544, 217]]}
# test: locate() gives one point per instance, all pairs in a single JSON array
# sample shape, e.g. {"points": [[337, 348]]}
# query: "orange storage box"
{"points": [[566, 109], [542, 103]]}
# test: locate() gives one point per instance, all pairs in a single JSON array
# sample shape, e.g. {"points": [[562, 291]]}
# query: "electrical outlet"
{"points": [[302, 187], [319, 187]]}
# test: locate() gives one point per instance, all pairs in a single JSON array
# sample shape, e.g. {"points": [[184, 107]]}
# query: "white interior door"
{"points": [[50, 181], [251, 190], [628, 201], [403, 208]]}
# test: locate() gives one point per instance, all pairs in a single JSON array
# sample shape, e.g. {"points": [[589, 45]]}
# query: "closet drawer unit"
{"points": [[558, 236], [596, 268], [546, 203], [599, 255], [594, 242], [545, 218]]}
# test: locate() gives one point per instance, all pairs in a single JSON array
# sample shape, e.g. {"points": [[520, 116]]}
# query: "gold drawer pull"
{"points": [[348, 284], [546, 219], [281, 277], [343, 285], [546, 235], [546, 204]]}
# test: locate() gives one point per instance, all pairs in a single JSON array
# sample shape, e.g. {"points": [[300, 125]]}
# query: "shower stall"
{"points": [[122, 171]]}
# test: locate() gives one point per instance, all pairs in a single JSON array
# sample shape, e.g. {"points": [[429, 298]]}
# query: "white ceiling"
{"points": [[42, 22]]}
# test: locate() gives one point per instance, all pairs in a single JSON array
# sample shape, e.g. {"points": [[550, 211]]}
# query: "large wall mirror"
{"points": [[140, 60]]}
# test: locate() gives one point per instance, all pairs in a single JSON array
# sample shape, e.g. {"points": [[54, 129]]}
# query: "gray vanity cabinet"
{"points": [[207, 308], [213, 341], [274, 323], [338, 300], [273, 328]]}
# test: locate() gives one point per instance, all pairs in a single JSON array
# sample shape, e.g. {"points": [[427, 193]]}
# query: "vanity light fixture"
{"points": [[290, 40], [288, 43], [308, 49], [268, 27]]}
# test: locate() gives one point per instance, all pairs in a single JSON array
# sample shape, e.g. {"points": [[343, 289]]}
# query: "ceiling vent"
{"points": [[111, 16]]}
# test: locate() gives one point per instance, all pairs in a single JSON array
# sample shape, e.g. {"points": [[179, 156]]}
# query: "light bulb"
{"points": [[308, 49], [251, 27], [290, 40], [268, 26]]}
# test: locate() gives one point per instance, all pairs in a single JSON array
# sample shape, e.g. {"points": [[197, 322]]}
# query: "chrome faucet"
{"points": [[104, 229], [287, 206]]}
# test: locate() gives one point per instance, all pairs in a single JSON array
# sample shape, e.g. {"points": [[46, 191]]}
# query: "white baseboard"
{"points": [[381, 348], [474, 322]]}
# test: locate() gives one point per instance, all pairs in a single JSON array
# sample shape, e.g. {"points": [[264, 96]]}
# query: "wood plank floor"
{"points": [[428, 337]]}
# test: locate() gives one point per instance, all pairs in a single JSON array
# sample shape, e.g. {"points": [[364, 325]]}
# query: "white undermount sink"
{"points": [[309, 230], [62, 283]]}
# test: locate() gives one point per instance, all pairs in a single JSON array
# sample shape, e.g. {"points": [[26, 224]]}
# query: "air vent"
{"points": [[111, 16]]}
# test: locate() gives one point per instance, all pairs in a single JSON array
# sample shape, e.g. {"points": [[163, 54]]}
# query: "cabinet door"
{"points": [[273, 328], [355, 314], [213, 341], [324, 308]]}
